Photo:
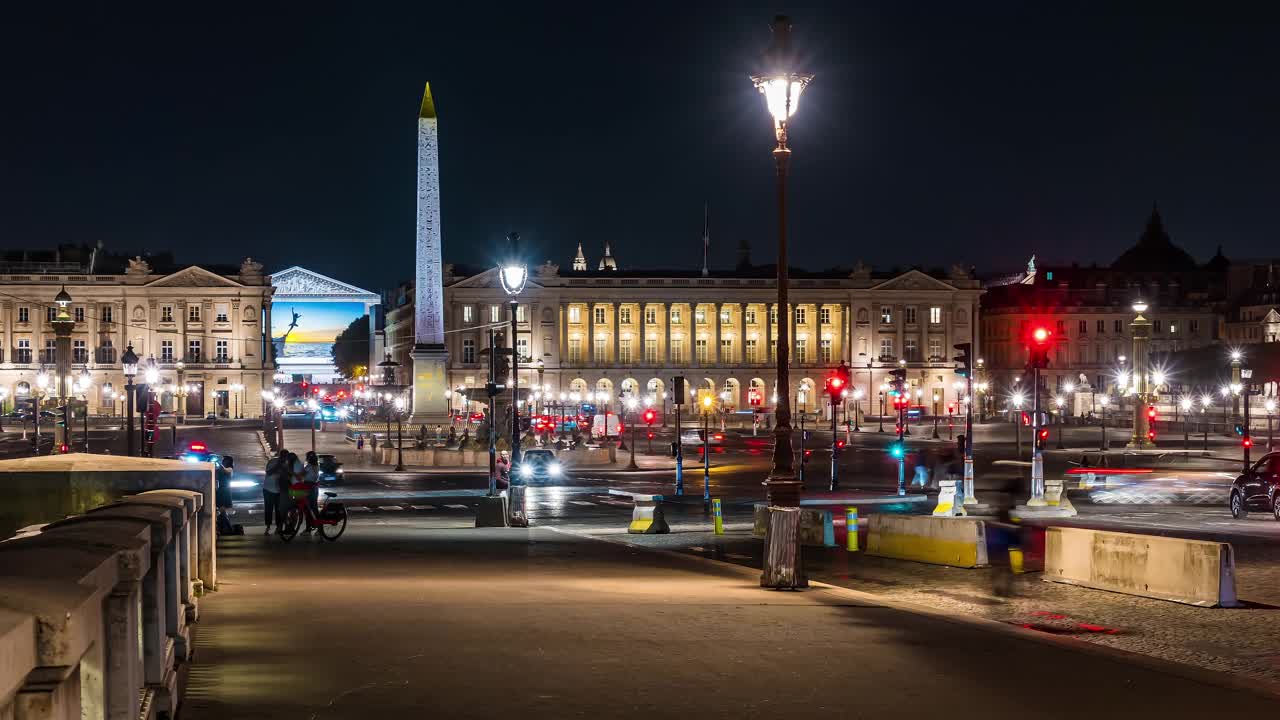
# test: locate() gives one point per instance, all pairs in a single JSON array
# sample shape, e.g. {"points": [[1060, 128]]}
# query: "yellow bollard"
{"points": [[851, 529], [1015, 560], [715, 513]]}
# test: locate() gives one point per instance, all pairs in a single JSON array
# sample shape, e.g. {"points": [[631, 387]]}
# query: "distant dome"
{"points": [[1155, 251]]}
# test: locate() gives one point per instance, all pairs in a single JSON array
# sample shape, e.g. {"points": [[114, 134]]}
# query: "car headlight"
{"points": [[242, 483], [526, 470], [553, 469], [339, 471]]}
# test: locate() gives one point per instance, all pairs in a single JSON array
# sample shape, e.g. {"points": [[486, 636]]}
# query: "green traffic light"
{"points": [[896, 450]]}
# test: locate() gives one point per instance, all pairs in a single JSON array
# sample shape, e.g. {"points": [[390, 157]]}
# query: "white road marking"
{"points": [[458, 507], [423, 507], [390, 507], [358, 508], [582, 502]]}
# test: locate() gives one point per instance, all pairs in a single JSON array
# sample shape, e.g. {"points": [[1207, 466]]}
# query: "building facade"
{"points": [[214, 322], [1089, 312], [621, 332]]}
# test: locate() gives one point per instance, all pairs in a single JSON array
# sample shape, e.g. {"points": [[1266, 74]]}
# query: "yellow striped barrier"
{"points": [[851, 529], [717, 516]]}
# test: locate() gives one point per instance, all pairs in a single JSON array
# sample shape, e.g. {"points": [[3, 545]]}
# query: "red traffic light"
{"points": [[1044, 433], [1151, 435], [1151, 412], [650, 435], [649, 416], [807, 453], [1040, 335], [1247, 442], [839, 444]]}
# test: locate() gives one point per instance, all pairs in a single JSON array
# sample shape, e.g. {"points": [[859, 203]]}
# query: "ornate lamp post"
{"points": [[1060, 402], [631, 405], [399, 405], [513, 274], [180, 393], [129, 361], [83, 383], [1104, 401], [781, 84], [1236, 358], [1141, 328], [237, 411], [1015, 402], [62, 327]]}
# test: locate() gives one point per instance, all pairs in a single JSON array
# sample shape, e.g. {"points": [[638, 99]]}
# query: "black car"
{"points": [[330, 469], [1258, 488]]}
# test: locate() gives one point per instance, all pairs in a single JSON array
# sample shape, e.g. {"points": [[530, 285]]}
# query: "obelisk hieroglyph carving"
{"points": [[430, 358]]}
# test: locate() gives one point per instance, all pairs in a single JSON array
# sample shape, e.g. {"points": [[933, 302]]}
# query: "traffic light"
{"points": [[964, 361], [1247, 442], [896, 450], [649, 416], [835, 384], [1151, 413], [951, 408], [1038, 348], [898, 386], [1151, 435], [677, 385], [840, 444]]}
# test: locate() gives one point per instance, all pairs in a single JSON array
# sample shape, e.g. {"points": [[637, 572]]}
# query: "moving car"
{"points": [[538, 464], [243, 487], [1258, 488], [330, 469], [694, 437]]}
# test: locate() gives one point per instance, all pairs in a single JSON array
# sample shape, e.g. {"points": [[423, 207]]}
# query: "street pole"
{"points": [[399, 442], [970, 498], [1103, 445], [1037, 455], [491, 391], [881, 416], [803, 437], [313, 431], [130, 389], [515, 391], [1186, 433], [706, 459], [835, 451], [1017, 430], [1060, 424], [632, 465], [902, 444], [679, 449], [1246, 442]]}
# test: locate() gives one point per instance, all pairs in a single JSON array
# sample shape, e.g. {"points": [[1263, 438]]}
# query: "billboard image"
{"points": [[303, 332]]}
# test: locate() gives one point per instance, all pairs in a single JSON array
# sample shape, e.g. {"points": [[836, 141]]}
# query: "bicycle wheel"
{"points": [[334, 531], [292, 520]]}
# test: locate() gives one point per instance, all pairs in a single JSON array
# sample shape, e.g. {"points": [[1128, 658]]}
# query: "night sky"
{"points": [[935, 132]]}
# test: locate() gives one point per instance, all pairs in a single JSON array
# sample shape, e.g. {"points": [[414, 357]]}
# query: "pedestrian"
{"points": [[271, 491], [504, 469], [922, 470], [439, 433], [311, 478], [222, 494]]}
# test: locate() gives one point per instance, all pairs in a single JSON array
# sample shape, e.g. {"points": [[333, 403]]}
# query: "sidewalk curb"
{"points": [[1215, 678]]}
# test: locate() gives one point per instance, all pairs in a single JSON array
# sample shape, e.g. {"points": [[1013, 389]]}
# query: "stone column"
{"points": [[900, 316], [562, 323], [791, 323], [741, 345], [591, 334], [644, 335], [846, 335], [666, 330], [714, 355], [617, 333], [9, 317]]}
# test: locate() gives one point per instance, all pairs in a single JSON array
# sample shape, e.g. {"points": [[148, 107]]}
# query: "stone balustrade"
{"points": [[96, 608]]}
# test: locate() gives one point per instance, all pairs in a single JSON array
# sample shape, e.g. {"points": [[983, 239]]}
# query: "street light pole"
{"points": [[129, 361], [1141, 328], [631, 405], [399, 405]]}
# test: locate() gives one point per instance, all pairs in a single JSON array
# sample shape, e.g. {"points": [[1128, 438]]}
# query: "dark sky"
{"points": [[935, 132]]}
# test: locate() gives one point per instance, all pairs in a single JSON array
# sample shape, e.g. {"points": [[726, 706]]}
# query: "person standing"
{"points": [[271, 491], [311, 478]]}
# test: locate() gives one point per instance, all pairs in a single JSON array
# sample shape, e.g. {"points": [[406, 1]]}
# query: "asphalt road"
{"points": [[425, 617]]}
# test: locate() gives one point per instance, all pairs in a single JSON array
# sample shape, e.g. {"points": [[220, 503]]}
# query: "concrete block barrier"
{"points": [[816, 529], [1194, 572], [957, 542], [647, 515]]}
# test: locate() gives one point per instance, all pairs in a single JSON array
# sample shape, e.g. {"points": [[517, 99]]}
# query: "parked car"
{"points": [[1258, 488], [538, 464]]}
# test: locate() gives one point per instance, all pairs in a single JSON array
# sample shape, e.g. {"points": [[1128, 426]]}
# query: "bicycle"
{"points": [[332, 520]]}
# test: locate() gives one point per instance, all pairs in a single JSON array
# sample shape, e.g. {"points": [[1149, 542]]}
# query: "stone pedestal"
{"points": [[430, 381]]}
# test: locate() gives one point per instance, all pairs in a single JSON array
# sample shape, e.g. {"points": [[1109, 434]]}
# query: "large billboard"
{"points": [[303, 331]]}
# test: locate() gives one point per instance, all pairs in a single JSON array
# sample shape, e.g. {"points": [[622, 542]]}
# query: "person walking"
{"points": [[921, 478], [271, 491]]}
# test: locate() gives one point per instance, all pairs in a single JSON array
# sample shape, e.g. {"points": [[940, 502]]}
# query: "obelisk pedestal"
{"points": [[430, 356]]}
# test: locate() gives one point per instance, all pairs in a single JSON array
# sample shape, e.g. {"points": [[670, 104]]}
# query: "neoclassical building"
{"points": [[213, 320], [629, 331]]}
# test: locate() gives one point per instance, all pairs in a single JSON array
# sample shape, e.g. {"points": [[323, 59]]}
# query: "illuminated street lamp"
{"points": [[399, 406], [1015, 401], [1104, 401], [1060, 402], [781, 84], [513, 274]]}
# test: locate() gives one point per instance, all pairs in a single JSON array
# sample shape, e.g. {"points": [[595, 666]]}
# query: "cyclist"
{"points": [[311, 478]]}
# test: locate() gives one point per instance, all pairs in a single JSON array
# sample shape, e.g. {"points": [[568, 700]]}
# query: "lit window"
{"points": [[824, 351], [624, 315], [495, 313], [886, 348], [468, 314], [166, 313], [624, 351], [886, 315], [675, 314], [650, 315], [598, 312], [751, 317], [935, 316], [724, 315], [699, 315], [575, 314]]}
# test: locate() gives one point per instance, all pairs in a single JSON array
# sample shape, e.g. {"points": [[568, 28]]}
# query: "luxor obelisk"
{"points": [[430, 357]]}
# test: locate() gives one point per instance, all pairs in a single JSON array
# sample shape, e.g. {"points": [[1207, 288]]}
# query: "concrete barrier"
{"points": [[647, 516], [817, 527], [1194, 572], [957, 542]]}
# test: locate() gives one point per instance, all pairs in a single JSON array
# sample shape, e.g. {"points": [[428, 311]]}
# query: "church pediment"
{"points": [[488, 279], [298, 282], [193, 277], [913, 280]]}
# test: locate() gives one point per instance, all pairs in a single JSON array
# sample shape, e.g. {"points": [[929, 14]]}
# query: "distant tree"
{"points": [[351, 349]]}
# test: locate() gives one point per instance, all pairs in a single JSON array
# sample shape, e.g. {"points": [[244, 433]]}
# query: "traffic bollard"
{"points": [[851, 529], [719, 519], [1015, 559]]}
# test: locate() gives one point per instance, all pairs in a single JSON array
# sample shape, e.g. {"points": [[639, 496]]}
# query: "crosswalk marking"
{"points": [[390, 507], [458, 507], [423, 507]]}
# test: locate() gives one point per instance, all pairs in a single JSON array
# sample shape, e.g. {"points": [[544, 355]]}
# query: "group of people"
{"points": [[288, 479]]}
